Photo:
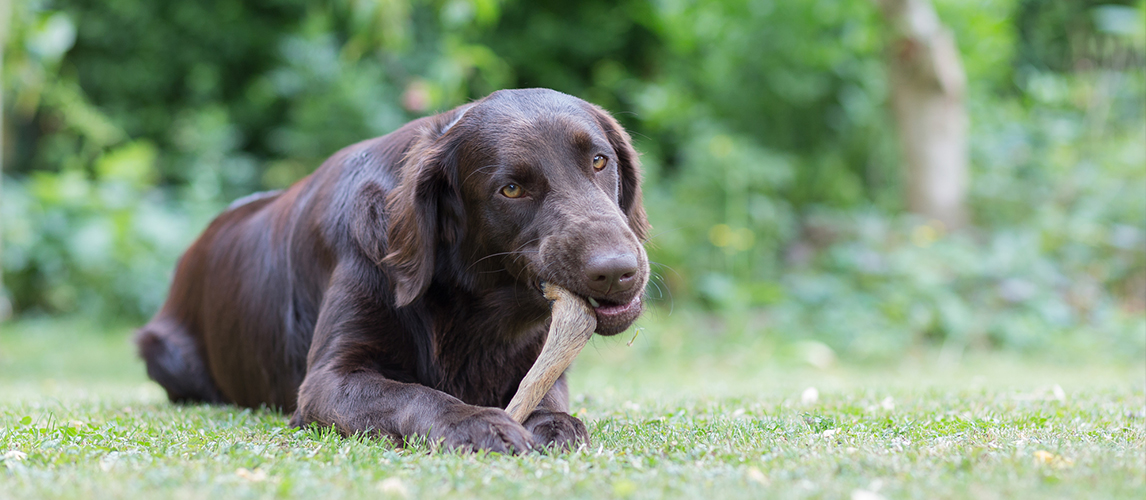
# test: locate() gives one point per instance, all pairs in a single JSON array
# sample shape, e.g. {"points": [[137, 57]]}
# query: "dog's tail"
{"points": [[174, 361]]}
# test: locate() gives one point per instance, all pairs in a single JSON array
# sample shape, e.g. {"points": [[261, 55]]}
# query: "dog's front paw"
{"points": [[490, 429], [559, 430]]}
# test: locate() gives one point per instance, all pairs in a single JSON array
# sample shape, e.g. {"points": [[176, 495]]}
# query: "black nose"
{"points": [[606, 274]]}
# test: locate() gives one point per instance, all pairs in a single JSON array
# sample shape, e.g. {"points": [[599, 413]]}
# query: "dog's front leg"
{"points": [[362, 402], [344, 385]]}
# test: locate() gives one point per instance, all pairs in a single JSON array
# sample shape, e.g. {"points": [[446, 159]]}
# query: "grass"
{"points": [[677, 414]]}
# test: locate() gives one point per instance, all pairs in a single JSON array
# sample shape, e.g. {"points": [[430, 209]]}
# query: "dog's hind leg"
{"points": [[174, 361]]}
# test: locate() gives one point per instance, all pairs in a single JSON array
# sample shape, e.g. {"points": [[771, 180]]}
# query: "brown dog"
{"points": [[396, 290]]}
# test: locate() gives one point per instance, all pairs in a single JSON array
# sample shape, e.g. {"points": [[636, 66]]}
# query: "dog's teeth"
{"points": [[593, 302]]}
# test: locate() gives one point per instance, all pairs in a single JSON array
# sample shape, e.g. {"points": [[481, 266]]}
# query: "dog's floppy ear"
{"points": [[629, 166], [424, 210]]}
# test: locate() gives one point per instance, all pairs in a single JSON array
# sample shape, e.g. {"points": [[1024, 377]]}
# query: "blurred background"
{"points": [[828, 179]]}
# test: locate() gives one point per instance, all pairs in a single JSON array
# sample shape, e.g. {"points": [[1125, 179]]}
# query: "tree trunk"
{"points": [[5, 12], [927, 85]]}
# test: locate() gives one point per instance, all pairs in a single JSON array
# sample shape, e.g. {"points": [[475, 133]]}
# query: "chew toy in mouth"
{"points": [[572, 325]]}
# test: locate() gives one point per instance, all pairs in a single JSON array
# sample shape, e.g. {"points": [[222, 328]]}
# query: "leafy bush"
{"points": [[772, 176], [100, 245]]}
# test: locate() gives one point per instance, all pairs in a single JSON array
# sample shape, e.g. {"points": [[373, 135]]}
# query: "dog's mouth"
{"points": [[615, 317]]}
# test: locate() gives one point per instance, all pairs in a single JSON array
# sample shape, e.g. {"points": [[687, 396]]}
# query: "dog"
{"points": [[396, 291]]}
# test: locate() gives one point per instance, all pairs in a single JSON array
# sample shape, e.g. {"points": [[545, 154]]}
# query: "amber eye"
{"points": [[599, 162], [512, 191]]}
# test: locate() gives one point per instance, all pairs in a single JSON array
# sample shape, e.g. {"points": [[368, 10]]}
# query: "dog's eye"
{"points": [[599, 162], [512, 191]]}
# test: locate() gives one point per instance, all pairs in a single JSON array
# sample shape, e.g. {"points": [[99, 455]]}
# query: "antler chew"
{"points": [[572, 324]]}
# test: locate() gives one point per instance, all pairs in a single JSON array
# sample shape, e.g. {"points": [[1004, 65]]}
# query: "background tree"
{"points": [[774, 178], [927, 86], [5, 13]]}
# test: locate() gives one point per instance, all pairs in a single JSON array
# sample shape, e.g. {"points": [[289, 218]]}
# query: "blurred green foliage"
{"points": [[772, 177]]}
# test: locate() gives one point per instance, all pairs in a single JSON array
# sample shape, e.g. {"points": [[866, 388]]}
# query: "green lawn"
{"points": [[680, 413]]}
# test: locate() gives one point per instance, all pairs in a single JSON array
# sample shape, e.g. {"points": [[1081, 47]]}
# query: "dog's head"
{"points": [[520, 188]]}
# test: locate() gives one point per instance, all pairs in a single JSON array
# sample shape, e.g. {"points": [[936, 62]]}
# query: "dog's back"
{"points": [[211, 299]]}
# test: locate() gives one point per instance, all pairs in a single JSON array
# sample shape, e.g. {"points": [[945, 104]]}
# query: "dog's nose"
{"points": [[614, 273]]}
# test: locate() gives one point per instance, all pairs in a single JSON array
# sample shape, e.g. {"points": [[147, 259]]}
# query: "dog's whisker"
{"points": [[666, 266], [660, 292], [518, 251], [476, 171], [498, 254], [669, 230], [666, 291]]}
